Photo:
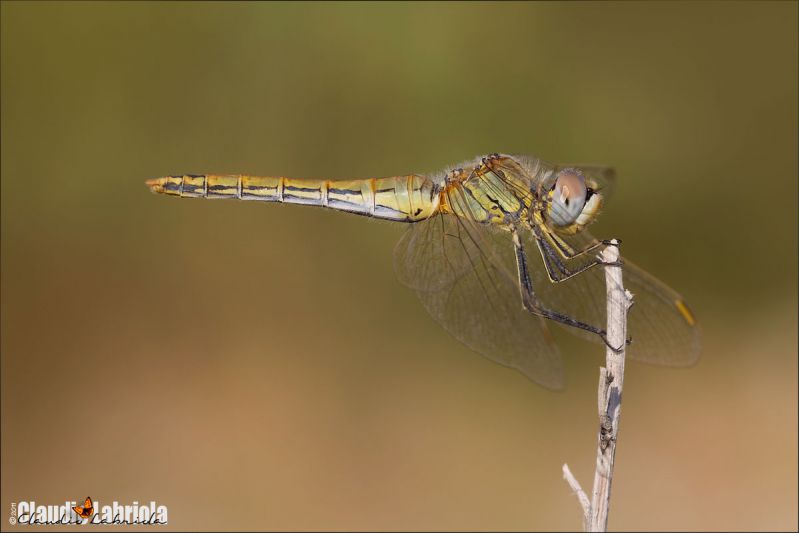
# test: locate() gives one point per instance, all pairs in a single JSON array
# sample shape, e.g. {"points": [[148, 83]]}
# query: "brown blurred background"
{"points": [[160, 349]]}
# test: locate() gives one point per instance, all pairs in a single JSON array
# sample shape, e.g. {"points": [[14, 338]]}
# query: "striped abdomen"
{"points": [[402, 198]]}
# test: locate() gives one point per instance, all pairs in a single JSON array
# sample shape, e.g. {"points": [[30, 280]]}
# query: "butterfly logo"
{"points": [[87, 510]]}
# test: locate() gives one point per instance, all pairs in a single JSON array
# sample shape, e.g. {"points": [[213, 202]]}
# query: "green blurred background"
{"points": [[159, 349]]}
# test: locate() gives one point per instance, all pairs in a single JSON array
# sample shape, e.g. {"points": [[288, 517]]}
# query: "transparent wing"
{"points": [[662, 328], [461, 273], [429, 256]]}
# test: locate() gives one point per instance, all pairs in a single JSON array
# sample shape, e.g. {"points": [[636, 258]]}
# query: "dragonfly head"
{"points": [[571, 202]]}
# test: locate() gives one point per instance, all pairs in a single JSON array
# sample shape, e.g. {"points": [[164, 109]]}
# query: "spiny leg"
{"points": [[570, 253], [556, 268], [530, 301], [565, 250]]}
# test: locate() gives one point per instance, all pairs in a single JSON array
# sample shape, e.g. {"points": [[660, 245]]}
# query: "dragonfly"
{"points": [[497, 249]]}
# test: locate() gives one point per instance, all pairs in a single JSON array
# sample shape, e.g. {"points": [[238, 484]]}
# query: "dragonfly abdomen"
{"points": [[402, 198]]}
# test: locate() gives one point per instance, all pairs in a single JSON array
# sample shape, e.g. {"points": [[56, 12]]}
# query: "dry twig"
{"points": [[611, 379]]}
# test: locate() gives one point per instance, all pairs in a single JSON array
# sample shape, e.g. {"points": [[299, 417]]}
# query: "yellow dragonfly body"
{"points": [[468, 253]]}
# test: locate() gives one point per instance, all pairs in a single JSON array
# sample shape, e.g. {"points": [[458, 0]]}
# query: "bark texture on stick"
{"points": [[611, 380]]}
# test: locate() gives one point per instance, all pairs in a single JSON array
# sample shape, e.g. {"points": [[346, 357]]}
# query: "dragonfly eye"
{"points": [[567, 197]]}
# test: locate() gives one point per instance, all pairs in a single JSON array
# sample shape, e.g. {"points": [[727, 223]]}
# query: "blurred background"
{"points": [[159, 349]]}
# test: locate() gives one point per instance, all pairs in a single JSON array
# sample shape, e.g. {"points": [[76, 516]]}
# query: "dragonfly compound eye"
{"points": [[568, 197]]}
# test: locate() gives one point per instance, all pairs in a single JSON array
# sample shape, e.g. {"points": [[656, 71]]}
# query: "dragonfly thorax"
{"points": [[490, 191]]}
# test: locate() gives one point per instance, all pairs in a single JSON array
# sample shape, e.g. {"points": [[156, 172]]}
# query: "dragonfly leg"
{"points": [[563, 248], [531, 303], [550, 255], [557, 269]]}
